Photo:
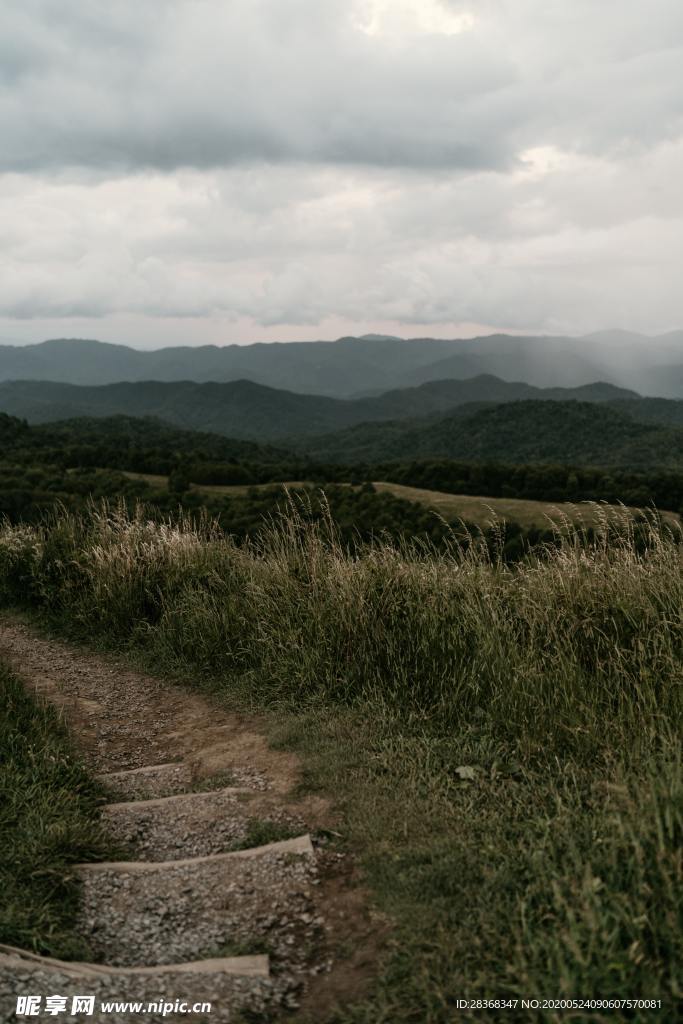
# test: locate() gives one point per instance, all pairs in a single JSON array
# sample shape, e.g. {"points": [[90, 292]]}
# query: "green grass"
{"points": [[48, 821], [522, 881], [552, 865]]}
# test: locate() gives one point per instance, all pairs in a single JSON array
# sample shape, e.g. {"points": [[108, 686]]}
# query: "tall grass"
{"points": [[586, 635], [558, 868]]}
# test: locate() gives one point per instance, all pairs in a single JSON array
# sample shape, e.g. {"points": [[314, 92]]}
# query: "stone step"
{"points": [[227, 984], [298, 846], [197, 824], [256, 966], [174, 778], [140, 912]]}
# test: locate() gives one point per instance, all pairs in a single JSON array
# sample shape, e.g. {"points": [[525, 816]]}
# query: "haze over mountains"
{"points": [[450, 405], [351, 367]]}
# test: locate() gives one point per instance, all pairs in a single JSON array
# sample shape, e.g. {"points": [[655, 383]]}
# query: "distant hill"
{"points": [[369, 365], [116, 437], [580, 433], [243, 409], [236, 409], [339, 368], [665, 411]]}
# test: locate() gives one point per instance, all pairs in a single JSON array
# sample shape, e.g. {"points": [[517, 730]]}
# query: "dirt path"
{"points": [[227, 890]]}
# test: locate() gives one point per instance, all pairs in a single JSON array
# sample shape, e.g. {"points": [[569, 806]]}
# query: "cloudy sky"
{"points": [[193, 171]]}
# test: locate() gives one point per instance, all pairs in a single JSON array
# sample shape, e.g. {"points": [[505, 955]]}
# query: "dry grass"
{"points": [[476, 509], [482, 510]]}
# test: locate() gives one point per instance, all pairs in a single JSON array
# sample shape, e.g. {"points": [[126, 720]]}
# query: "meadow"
{"points": [[478, 510], [481, 510], [502, 741]]}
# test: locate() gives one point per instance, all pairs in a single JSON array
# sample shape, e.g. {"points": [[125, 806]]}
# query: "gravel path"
{"points": [[197, 824], [176, 778], [217, 986], [193, 913], [186, 910]]}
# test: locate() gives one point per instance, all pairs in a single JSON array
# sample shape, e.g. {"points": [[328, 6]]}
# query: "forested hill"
{"points": [[123, 442], [350, 367], [525, 432], [630, 433], [71, 462], [243, 409], [666, 412], [578, 433]]}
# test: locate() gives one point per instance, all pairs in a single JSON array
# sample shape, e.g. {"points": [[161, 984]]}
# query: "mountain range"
{"points": [[356, 367], [369, 399], [477, 420], [249, 411], [527, 431]]}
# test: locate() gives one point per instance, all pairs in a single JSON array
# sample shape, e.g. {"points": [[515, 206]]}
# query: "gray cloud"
{"points": [[200, 83], [377, 162]]}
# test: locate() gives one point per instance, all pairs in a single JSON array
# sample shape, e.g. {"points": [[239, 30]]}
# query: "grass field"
{"points": [[502, 744], [479, 510]]}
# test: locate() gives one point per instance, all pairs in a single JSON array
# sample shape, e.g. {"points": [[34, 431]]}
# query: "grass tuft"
{"points": [[48, 821]]}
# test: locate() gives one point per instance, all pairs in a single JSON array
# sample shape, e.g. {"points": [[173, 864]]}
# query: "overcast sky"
{"points": [[193, 171]]}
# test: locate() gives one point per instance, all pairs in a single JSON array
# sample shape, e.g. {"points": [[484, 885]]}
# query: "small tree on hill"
{"points": [[179, 480]]}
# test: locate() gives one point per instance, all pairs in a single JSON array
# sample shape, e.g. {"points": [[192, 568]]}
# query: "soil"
{"points": [[194, 912]]}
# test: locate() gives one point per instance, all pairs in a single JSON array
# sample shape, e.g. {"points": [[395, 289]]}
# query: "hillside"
{"points": [[665, 411], [243, 409], [123, 456], [351, 366], [581, 433], [482, 510], [437, 396], [123, 441]]}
